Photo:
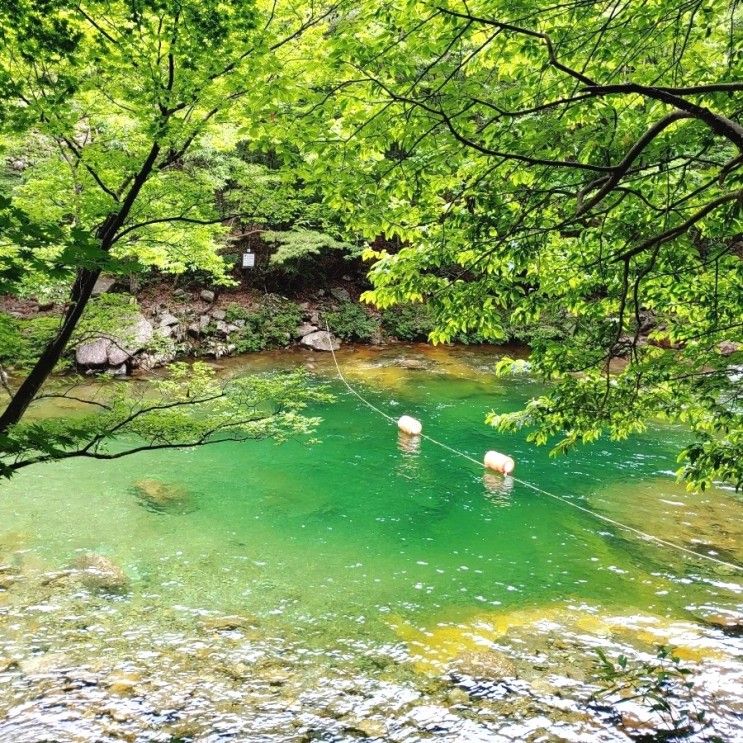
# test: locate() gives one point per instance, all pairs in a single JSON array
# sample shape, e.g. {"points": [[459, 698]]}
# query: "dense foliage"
{"points": [[111, 114], [566, 174], [583, 158]]}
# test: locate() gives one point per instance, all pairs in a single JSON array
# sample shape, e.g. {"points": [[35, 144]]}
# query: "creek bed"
{"points": [[359, 587]]}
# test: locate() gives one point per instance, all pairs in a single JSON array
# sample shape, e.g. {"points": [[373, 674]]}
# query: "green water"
{"points": [[354, 535]]}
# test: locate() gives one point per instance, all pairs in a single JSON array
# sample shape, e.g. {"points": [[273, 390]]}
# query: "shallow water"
{"points": [[361, 567]]}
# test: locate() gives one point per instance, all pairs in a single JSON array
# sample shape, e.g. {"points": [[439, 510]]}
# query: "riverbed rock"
{"points": [[367, 728], [207, 295], [321, 340], [7, 664], [93, 353], [483, 664], [218, 314], [159, 496], [414, 364], [99, 573], [305, 329], [227, 623]]}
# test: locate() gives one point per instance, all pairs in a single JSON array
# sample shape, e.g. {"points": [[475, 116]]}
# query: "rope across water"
{"points": [[537, 489]]}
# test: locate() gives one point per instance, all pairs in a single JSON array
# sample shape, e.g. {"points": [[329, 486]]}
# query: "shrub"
{"points": [[270, 326], [351, 322], [21, 340], [410, 322]]}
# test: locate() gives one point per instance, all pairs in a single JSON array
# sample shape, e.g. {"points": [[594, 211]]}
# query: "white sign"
{"points": [[248, 259]]}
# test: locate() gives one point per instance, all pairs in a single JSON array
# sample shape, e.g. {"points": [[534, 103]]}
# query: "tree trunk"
{"points": [[79, 297]]}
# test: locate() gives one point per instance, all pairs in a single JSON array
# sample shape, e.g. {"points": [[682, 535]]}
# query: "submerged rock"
{"points": [[99, 573], [227, 623], [321, 340], [415, 364], [161, 497], [485, 664]]}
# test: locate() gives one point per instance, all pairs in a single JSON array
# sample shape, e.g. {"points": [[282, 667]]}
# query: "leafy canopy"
{"points": [[524, 161]]}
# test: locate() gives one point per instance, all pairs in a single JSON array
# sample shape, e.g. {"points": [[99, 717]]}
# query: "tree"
{"points": [[109, 106], [583, 156]]}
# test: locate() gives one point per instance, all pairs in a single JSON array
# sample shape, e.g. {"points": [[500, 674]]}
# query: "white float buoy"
{"points": [[410, 425], [498, 462]]}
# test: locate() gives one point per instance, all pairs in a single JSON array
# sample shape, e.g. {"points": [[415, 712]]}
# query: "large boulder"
{"points": [[113, 351], [102, 285], [321, 340]]}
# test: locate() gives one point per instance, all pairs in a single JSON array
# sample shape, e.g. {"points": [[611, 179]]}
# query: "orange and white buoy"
{"points": [[410, 425], [498, 462]]}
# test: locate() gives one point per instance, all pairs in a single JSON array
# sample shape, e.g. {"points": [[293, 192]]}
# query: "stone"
{"points": [[368, 728], [135, 338], [150, 361], [124, 683], [93, 353], [321, 340], [159, 496], [168, 320], [415, 364], [7, 664], [305, 329], [194, 329], [165, 331], [102, 285], [484, 664], [99, 573], [226, 623], [6, 581], [223, 327], [117, 371], [218, 314], [204, 320], [341, 294], [114, 352], [207, 295]]}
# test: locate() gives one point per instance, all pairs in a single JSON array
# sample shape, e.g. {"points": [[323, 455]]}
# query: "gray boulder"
{"points": [[219, 314], [305, 329], [93, 353], [115, 351], [207, 295], [321, 340], [102, 285], [168, 320]]}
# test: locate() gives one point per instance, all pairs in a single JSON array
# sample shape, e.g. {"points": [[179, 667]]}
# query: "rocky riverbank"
{"points": [[127, 333]]}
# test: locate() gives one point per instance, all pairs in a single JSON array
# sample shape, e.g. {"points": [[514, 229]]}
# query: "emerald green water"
{"points": [[362, 537]]}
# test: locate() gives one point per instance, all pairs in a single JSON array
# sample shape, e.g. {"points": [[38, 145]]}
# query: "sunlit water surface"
{"points": [[328, 591]]}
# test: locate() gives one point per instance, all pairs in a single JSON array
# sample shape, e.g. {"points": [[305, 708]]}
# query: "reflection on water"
{"points": [[344, 590], [498, 488]]}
